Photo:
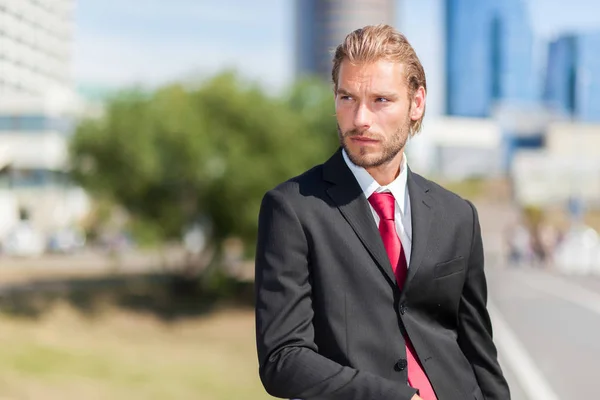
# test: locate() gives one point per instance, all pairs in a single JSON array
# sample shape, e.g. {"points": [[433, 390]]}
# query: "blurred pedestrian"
{"points": [[548, 240], [518, 241], [370, 279]]}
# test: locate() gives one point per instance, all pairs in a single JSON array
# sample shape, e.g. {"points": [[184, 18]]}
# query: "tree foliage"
{"points": [[178, 154]]}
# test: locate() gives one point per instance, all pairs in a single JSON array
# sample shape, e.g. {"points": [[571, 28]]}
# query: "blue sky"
{"points": [[124, 42], [119, 42]]}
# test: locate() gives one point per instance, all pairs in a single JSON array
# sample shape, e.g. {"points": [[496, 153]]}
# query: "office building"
{"points": [[469, 63], [322, 24], [489, 59], [588, 78], [572, 87], [35, 46], [514, 77], [559, 88], [37, 103]]}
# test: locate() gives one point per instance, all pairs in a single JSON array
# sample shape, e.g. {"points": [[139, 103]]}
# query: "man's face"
{"points": [[373, 111]]}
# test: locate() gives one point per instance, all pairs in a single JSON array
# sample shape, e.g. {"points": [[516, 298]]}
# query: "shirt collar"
{"points": [[370, 185]]}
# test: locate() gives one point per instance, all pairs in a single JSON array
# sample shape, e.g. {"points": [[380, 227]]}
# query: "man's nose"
{"points": [[363, 117]]}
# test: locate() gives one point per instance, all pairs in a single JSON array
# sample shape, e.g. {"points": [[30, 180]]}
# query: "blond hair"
{"points": [[382, 42]]}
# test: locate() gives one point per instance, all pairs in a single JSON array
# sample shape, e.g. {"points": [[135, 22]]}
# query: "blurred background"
{"points": [[138, 137]]}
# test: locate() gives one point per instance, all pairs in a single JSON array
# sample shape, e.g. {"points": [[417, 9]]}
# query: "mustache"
{"points": [[356, 132]]}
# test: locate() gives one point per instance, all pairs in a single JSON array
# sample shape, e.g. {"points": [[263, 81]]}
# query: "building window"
{"points": [[29, 178], [34, 123]]}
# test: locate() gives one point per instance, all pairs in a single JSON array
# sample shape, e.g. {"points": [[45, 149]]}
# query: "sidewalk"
{"points": [[88, 264]]}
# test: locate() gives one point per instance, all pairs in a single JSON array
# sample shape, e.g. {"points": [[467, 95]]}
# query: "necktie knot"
{"points": [[384, 204]]}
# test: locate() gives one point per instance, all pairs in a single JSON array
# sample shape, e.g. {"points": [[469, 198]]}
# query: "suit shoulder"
{"points": [[447, 197], [308, 181]]}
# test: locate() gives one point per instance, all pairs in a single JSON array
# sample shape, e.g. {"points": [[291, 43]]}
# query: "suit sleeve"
{"points": [[475, 336], [290, 365]]}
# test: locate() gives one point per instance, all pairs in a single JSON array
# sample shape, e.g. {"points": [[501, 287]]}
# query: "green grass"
{"points": [[119, 355]]}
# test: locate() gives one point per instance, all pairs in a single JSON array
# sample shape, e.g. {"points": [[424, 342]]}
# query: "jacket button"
{"points": [[402, 308], [401, 364]]}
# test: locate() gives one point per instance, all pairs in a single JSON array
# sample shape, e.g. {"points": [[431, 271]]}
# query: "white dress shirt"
{"points": [[399, 190]]}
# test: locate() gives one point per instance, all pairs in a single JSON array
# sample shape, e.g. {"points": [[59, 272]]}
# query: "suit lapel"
{"points": [[348, 196], [422, 210]]}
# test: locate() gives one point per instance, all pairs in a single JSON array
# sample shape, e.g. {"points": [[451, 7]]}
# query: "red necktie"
{"points": [[384, 205]]}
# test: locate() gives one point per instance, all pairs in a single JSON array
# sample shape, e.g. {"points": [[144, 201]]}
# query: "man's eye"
{"points": [[381, 100], [346, 97]]}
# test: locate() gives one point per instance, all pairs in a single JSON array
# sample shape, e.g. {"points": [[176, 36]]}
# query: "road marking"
{"points": [[565, 290], [519, 361]]}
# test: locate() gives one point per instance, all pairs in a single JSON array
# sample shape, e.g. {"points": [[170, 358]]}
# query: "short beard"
{"points": [[390, 150]]}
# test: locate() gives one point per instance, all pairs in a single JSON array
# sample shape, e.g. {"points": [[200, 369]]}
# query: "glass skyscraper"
{"points": [[513, 37], [572, 86], [489, 56], [559, 88], [469, 57], [322, 24], [588, 78]]}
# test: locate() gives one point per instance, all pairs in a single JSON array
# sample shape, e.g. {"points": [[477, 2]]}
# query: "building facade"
{"points": [[489, 59], [588, 78], [322, 24], [559, 88], [572, 86], [469, 58], [36, 87], [37, 105], [35, 46], [513, 33]]}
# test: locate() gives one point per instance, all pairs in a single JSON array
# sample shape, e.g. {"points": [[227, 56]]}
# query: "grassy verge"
{"points": [[120, 354]]}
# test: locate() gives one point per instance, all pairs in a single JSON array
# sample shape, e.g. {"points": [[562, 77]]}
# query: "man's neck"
{"points": [[388, 172]]}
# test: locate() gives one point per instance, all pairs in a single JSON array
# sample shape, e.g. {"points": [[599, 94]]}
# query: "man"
{"points": [[369, 278]]}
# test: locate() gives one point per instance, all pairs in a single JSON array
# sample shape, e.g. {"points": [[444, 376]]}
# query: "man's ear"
{"points": [[417, 106]]}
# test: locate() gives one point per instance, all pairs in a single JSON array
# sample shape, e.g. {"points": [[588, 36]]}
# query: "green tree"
{"points": [[208, 152], [313, 101]]}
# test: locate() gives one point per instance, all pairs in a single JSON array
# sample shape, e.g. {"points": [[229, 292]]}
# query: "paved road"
{"points": [[547, 327]]}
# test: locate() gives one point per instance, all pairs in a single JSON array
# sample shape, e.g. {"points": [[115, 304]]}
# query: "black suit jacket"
{"points": [[330, 318]]}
